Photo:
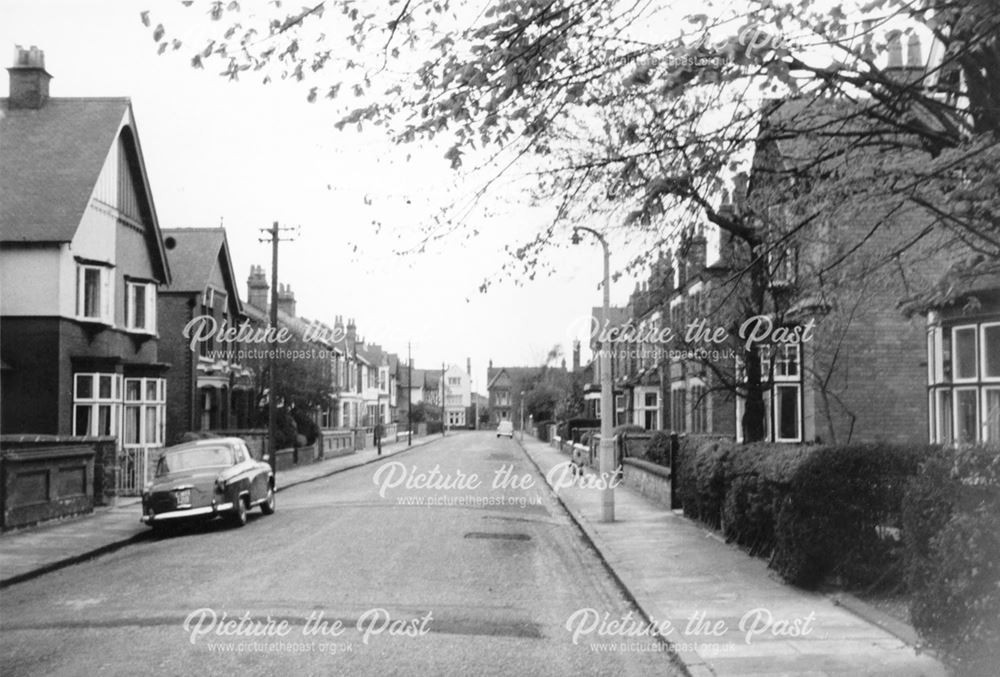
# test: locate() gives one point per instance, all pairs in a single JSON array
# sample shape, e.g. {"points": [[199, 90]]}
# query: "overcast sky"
{"points": [[244, 154]]}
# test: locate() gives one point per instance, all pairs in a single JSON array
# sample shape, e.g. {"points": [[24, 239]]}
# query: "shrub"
{"points": [[709, 481], [833, 520], [305, 426], [434, 427], [951, 520], [658, 450], [619, 430], [756, 484]]}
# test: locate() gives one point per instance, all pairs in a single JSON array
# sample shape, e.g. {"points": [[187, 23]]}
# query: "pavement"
{"points": [[722, 611], [34, 551]]}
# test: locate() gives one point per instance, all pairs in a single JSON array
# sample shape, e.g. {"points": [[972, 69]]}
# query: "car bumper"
{"points": [[205, 511]]}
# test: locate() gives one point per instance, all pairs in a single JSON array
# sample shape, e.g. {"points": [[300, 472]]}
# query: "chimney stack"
{"points": [[286, 299], [468, 366], [257, 288], [895, 48], [352, 333], [29, 81], [576, 355]]}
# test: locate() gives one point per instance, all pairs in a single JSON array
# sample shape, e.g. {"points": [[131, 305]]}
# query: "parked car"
{"points": [[506, 428], [207, 479]]}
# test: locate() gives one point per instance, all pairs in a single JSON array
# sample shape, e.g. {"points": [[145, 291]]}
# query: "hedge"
{"points": [[841, 514], [951, 526]]}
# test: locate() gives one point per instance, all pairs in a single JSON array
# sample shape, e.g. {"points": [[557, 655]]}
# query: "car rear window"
{"points": [[204, 457]]}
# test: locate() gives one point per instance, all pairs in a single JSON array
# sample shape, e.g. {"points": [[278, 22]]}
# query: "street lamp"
{"points": [[522, 416], [606, 451]]}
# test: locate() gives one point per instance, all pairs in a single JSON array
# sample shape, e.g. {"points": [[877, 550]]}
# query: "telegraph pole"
{"points": [[409, 396], [444, 420], [274, 237]]}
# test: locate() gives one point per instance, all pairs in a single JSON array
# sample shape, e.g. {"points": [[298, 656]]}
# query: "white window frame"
{"points": [[976, 431], [148, 291], [157, 404], [986, 378], [95, 402], [985, 414], [105, 299], [954, 354]]}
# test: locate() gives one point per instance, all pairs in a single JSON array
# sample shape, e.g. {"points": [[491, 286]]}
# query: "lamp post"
{"points": [[522, 416], [606, 452]]}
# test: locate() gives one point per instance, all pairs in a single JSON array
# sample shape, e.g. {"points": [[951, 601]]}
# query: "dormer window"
{"points": [[140, 306], [93, 292]]}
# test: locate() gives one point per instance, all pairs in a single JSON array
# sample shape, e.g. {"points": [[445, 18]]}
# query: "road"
{"points": [[355, 574]]}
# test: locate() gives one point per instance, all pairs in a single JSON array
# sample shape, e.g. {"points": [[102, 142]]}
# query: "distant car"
{"points": [[506, 428], [206, 479]]}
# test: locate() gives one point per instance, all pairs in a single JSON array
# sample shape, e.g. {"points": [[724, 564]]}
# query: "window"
{"points": [[140, 306], [678, 410], [93, 293], [781, 378], [699, 409], [963, 367], [650, 399], [454, 380], [96, 402], [144, 411]]}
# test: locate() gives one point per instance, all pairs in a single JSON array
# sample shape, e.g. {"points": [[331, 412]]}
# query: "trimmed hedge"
{"points": [[841, 513], [757, 482], [658, 450], [951, 526], [872, 515]]}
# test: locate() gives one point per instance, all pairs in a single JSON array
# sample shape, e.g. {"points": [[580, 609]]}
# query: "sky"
{"points": [[245, 155]]}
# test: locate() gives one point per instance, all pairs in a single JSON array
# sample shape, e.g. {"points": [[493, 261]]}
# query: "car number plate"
{"points": [[183, 497]]}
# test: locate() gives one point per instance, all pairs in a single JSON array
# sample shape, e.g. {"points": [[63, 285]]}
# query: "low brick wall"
{"points": [[44, 483], [649, 479], [286, 459], [336, 443], [105, 483]]}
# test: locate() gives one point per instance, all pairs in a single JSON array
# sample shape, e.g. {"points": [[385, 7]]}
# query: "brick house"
{"points": [[210, 388], [81, 265]]}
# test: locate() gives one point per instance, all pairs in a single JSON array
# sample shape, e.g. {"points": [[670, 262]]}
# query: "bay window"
{"points": [[144, 412], [963, 372], [96, 404]]}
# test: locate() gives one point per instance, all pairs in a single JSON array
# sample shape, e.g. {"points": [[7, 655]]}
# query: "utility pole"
{"points": [[443, 418], [409, 396], [273, 236]]}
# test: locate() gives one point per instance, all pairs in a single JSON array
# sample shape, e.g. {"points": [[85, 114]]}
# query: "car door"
{"points": [[257, 474]]}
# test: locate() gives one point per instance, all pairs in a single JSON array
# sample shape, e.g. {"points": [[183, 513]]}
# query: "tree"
{"points": [[602, 119]]}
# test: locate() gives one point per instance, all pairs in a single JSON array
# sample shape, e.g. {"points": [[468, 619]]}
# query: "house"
{"points": [[506, 387], [82, 261], [458, 395], [210, 389], [304, 361]]}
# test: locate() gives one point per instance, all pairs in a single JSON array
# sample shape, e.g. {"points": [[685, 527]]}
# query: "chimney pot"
{"points": [[29, 81]]}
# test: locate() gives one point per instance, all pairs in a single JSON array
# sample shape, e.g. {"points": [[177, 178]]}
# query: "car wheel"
{"points": [[239, 517], [267, 507]]}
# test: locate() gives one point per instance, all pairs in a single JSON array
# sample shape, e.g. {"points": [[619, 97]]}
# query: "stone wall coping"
{"points": [[648, 466]]}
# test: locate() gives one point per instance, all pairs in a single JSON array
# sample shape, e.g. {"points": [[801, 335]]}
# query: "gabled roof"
{"points": [[193, 255], [50, 160], [514, 373]]}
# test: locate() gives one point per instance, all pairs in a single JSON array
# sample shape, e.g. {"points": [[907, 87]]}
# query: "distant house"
{"points": [[209, 387], [81, 264], [505, 385], [457, 396]]}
